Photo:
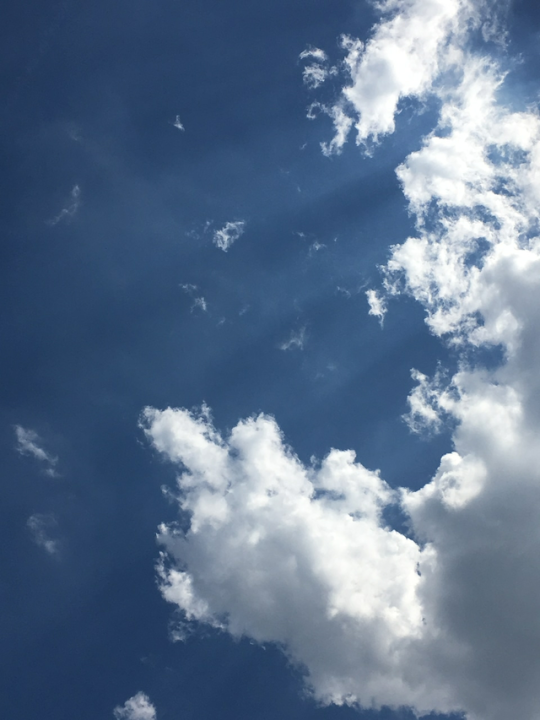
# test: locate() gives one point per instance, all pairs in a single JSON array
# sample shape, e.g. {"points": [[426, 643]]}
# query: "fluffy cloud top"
{"points": [[318, 71], [446, 617], [416, 42], [297, 339], [138, 707]]}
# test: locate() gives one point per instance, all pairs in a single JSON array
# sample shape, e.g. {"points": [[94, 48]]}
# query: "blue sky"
{"points": [[180, 230]]}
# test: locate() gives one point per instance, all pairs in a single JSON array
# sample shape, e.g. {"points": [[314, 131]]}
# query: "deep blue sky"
{"points": [[95, 324]]}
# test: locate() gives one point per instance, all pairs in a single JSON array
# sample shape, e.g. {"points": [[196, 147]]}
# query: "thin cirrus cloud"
{"points": [[69, 212], [402, 59], [43, 529], [29, 443], [178, 124], [137, 707], [445, 618], [199, 302], [228, 234], [297, 339]]}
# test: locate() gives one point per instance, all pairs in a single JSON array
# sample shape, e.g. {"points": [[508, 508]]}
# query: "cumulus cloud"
{"points": [[138, 707], [415, 42], [315, 54], [71, 208], [276, 549], [443, 617], [315, 247], [43, 529], [228, 234], [29, 443], [377, 304]]}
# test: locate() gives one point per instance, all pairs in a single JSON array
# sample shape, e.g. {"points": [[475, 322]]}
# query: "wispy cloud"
{"points": [[405, 54], [297, 339], [199, 301], [177, 123], [443, 619], [43, 529], [318, 71], [71, 208], [138, 707], [29, 443], [315, 247], [228, 234]]}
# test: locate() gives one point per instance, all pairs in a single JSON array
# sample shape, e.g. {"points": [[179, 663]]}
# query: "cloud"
{"points": [[199, 301], [416, 42], [70, 211], [377, 305], [317, 72], [177, 124], [138, 707], [442, 617], [29, 443], [315, 53], [315, 247], [228, 234], [42, 528], [297, 339]]}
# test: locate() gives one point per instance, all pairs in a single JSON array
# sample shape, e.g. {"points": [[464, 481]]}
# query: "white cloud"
{"points": [[199, 302], [71, 209], [446, 619], [43, 528], [228, 234], [297, 339], [317, 72], [29, 443], [426, 403], [277, 549], [178, 124], [408, 50], [315, 75], [138, 707]]}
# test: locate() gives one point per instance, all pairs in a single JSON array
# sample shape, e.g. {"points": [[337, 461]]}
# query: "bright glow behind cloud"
{"points": [[418, 40], [299, 555], [275, 543]]}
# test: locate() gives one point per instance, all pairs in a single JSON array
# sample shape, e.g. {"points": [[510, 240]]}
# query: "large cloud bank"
{"points": [[448, 618]]}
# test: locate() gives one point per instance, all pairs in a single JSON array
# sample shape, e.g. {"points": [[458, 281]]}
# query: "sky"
{"points": [[269, 402]]}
